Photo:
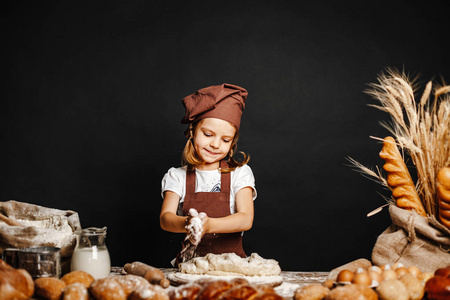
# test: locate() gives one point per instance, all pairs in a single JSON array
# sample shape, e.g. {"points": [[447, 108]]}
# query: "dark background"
{"points": [[91, 109]]}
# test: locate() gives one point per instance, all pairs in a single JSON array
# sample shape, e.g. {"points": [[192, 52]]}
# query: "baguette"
{"points": [[398, 178], [443, 196]]}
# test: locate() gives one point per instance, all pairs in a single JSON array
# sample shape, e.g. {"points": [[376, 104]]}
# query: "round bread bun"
{"points": [[78, 276], [50, 288]]}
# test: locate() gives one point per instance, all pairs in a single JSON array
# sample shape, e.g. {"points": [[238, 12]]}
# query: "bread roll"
{"points": [[311, 292], [185, 292], [78, 276], [49, 288], [415, 287], [438, 288], [121, 287], [234, 289], [240, 292], [75, 291], [399, 179], [266, 296], [352, 291], [107, 289], [443, 196], [265, 288], [15, 284], [214, 290], [149, 292], [130, 282]]}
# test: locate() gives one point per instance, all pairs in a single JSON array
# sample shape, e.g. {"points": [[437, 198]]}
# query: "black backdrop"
{"points": [[90, 112]]}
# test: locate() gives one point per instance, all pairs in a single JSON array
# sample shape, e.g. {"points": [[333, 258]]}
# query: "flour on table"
{"points": [[230, 264]]}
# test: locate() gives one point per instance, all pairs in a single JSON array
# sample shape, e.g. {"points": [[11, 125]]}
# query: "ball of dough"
{"points": [[311, 292]]}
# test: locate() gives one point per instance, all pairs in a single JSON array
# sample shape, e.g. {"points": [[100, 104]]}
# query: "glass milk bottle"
{"points": [[90, 254]]}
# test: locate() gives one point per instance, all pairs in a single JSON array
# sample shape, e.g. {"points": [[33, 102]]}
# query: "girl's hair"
{"points": [[190, 157]]}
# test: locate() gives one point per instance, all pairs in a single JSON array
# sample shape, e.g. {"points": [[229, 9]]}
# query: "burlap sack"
{"points": [[42, 226], [413, 240]]}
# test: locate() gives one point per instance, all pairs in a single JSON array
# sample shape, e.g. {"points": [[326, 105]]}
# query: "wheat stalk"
{"points": [[422, 130]]}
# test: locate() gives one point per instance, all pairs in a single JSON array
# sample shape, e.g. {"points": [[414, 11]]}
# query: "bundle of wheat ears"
{"points": [[420, 133]]}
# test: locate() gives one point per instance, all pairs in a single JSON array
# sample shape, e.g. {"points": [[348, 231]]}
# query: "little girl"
{"points": [[210, 181]]}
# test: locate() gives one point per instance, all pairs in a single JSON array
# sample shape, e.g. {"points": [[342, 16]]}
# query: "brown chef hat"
{"points": [[225, 101]]}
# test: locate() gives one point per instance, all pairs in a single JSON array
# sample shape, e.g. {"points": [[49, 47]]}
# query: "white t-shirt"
{"points": [[207, 181]]}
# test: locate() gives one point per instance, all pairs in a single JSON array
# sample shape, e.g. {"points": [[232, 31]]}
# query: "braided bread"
{"points": [[399, 179], [443, 196], [236, 289]]}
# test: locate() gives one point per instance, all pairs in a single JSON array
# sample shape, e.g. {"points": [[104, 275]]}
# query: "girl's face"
{"points": [[212, 141]]}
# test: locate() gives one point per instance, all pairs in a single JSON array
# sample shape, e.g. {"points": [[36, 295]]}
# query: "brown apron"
{"points": [[215, 205]]}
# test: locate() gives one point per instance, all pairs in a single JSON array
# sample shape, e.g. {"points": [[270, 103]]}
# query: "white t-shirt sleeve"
{"points": [[243, 177], [174, 181]]}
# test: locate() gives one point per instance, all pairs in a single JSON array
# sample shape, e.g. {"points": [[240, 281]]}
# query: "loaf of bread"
{"points": [[443, 196], [15, 284], [237, 289], [49, 288], [398, 178], [438, 286]]}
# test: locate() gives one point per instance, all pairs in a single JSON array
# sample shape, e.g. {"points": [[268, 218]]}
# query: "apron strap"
{"points": [[225, 179]]}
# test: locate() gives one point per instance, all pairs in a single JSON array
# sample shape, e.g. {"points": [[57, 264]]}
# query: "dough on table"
{"points": [[231, 264]]}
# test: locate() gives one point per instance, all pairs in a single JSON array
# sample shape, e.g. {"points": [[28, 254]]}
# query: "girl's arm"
{"points": [[242, 220], [168, 219]]}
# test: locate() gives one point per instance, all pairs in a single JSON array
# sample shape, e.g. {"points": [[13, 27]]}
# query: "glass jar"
{"points": [[91, 254]]}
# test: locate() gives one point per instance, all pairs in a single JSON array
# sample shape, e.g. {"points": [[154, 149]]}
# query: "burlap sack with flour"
{"points": [[42, 226], [413, 240]]}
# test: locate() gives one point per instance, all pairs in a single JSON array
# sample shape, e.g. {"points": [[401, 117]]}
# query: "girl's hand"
{"points": [[194, 226]]}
